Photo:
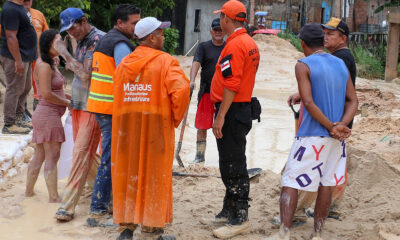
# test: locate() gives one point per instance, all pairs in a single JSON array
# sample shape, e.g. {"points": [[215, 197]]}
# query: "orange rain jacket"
{"points": [[151, 95]]}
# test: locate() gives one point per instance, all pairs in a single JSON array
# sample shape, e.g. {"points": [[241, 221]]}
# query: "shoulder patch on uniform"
{"points": [[226, 66]]}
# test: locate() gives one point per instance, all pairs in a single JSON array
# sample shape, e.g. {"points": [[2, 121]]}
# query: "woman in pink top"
{"points": [[48, 131]]}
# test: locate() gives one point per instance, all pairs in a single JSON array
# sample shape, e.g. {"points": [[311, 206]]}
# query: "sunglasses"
{"points": [[217, 29]]}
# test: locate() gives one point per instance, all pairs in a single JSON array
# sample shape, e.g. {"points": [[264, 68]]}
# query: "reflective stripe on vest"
{"points": [[102, 77], [101, 97]]}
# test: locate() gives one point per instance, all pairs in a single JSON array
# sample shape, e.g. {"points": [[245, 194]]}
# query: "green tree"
{"points": [[101, 10], [391, 3], [171, 40], [52, 8], [99, 13]]}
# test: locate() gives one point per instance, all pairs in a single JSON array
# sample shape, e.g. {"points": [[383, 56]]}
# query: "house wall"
{"points": [[277, 11], [207, 7], [363, 14], [318, 11]]}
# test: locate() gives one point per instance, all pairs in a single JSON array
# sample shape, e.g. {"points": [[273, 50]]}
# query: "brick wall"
{"points": [[363, 10]]}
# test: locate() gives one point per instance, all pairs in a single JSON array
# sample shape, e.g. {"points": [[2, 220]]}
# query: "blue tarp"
{"points": [[261, 13]]}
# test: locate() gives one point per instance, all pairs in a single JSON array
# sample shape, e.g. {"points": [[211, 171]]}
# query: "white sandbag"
{"points": [[65, 162]]}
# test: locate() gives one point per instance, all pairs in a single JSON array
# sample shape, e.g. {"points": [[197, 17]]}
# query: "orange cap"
{"points": [[232, 8]]}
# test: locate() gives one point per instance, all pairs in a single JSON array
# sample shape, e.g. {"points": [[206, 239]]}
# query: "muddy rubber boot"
{"points": [[51, 182], [24, 121], [222, 217], [15, 129], [201, 150], [229, 231], [166, 237], [127, 234], [238, 222]]}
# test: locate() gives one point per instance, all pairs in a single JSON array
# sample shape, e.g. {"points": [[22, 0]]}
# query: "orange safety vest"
{"points": [[101, 96]]}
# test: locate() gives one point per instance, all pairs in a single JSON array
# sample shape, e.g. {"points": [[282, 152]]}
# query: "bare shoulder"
{"points": [[301, 67], [43, 67]]}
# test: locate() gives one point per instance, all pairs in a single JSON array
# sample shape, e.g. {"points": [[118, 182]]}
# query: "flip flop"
{"points": [[63, 216]]}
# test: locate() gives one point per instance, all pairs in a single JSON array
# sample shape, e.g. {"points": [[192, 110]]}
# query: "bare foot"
{"points": [[316, 236], [29, 194], [283, 234], [55, 200]]}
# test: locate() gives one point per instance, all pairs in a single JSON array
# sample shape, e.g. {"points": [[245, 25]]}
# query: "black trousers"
{"points": [[232, 156]]}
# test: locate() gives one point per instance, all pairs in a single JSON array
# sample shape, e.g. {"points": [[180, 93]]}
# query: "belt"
{"points": [[217, 105]]}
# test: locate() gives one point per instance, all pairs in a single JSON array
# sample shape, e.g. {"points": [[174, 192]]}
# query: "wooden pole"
{"points": [[392, 52], [289, 15], [252, 7], [302, 14]]}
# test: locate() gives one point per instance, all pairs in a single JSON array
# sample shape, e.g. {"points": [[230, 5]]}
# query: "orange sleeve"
{"points": [[45, 26], [178, 89], [233, 81]]}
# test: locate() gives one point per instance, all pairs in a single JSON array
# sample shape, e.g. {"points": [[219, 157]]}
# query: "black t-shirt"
{"points": [[16, 17], [207, 55], [348, 59]]}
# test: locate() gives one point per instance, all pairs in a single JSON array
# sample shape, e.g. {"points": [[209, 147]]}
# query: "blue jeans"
{"points": [[102, 189]]}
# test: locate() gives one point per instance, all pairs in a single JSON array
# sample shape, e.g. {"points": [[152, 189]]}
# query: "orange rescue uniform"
{"points": [[236, 68], [151, 95]]}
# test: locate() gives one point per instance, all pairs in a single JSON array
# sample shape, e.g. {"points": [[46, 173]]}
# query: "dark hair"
{"points": [[45, 42], [123, 11], [79, 21], [318, 42], [236, 22], [145, 37]]}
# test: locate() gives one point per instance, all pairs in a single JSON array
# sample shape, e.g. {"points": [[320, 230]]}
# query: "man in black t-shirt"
{"points": [[336, 35], [206, 57], [18, 51]]}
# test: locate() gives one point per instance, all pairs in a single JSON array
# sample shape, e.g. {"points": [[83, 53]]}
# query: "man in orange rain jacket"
{"points": [[151, 95]]}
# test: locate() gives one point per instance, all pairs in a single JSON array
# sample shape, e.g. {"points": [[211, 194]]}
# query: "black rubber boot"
{"points": [[240, 213], [166, 237], [201, 149], [127, 234], [226, 211]]}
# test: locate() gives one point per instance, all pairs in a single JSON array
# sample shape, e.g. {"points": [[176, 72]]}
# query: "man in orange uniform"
{"points": [[231, 91], [151, 95], [40, 25]]}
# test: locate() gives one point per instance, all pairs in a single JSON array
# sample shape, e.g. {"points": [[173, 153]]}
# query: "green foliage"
{"points": [[51, 9], [97, 11], [101, 10], [391, 3], [295, 41], [171, 40], [370, 63]]}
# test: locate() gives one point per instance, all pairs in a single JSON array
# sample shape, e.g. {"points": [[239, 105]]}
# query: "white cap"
{"points": [[148, 25]]}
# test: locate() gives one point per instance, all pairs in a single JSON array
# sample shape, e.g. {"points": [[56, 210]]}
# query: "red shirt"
{"points": [[236, 68]]}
